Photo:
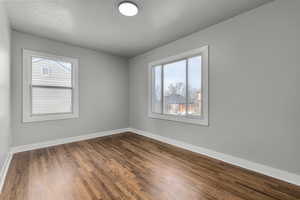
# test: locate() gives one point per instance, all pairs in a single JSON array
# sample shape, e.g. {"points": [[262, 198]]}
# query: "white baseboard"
{"points": [[4, 170], [263, 169], [41, 145], [29, 147]]}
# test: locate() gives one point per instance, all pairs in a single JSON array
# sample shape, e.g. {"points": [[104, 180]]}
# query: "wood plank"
{"points": [[129, 166]]}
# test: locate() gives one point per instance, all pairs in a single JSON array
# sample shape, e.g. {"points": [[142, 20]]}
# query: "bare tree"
{"points": [[177, 88]]}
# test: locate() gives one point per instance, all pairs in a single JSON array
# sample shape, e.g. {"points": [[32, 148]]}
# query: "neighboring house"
{"points": [[50, 72], [47, 76], [176, 104]]}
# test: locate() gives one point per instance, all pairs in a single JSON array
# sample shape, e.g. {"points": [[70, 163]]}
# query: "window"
{"points": [[178, 88], [45, 70], [50, 87]]}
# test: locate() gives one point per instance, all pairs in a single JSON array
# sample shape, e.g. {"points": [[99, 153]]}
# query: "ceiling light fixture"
{"points": [[128, 8]]}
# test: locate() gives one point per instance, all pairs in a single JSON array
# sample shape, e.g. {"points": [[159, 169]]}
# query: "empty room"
{"points": [[149, 100]]}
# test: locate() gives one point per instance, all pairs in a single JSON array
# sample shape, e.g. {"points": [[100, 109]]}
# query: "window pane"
{"points": [[51, 72], [194, 86], [175, 88], [51, 100], [156, 89]]}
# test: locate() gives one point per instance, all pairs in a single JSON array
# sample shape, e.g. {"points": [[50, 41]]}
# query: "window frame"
{"points": [[204, 118], [27, 87]]}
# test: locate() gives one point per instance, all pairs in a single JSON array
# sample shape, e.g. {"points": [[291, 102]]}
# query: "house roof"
{"points": [[175, 99], [61, 64]]}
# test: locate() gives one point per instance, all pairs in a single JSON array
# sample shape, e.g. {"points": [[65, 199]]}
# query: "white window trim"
{"points": [[204, 120], [27, 115]]}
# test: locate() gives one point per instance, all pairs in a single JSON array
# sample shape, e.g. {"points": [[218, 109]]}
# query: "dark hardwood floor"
{"points": [[129, 166]]}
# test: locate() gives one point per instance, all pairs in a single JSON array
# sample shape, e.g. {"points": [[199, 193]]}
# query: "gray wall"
{"points": [[254, 87], [103, 88], [5, 128]]}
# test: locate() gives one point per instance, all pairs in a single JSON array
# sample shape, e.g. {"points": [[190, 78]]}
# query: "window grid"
{"points": [[197, 89], [32, 86], [187, 115]]}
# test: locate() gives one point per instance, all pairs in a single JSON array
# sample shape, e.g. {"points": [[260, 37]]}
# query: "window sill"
{"points": [[197, 121], [50, 117]]}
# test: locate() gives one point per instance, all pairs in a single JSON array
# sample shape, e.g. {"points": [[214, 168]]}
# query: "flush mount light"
{"points": [[128, 8]]}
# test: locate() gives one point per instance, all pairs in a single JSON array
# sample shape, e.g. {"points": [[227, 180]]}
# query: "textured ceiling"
{"points": [[96, 24]]}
